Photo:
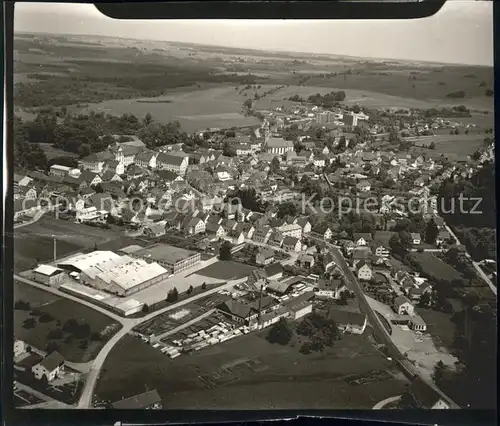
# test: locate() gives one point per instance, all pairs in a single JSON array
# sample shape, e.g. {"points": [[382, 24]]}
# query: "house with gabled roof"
{"points": [[146, 159], [174, 163], [265, 256], [323, 230], [194, 226], [363, 271], [49, 367], [262, 234], [403, 306], [292, 244]]}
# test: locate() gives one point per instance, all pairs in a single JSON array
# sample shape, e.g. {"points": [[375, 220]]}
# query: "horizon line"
{"points": [[279, 51]]}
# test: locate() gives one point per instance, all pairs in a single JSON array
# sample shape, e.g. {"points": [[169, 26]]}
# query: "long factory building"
{"points": [[133, 270]]}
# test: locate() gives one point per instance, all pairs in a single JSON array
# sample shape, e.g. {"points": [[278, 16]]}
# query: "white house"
{"points": [[363, 186], [364, 272], [195, 226], [58, 170], [362, 239], [403, 306], [19, 347], [146, 159], [50, 367], [292, 244], [278, 146]]}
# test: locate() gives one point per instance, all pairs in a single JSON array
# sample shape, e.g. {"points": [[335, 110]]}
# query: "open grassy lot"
{"points": [[434, 267], [52, 152], [452, 144], [439, 326], [35, 241], [250, 373], [60, 310], [28, 248], [226, 270]]}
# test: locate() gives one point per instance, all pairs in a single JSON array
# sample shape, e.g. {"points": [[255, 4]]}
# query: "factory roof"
{"points": [[94, 263], [164, 253], [132, 273]]}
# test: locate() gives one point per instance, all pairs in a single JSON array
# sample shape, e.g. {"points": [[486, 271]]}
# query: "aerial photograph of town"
{"points": [[254, 215]]}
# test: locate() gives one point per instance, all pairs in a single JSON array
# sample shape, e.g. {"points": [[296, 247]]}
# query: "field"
{"points": [[250, 373], [194, 109], [60, 309], [439, 326], [35, 241], [461, 145], [226, 270], [52, 152], [432, 266], [119, 70]]}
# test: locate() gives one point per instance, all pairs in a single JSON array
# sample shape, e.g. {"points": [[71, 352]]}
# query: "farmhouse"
{"points": [[350, 321], [363, 186], [244, 313], [364, 272], [306, 260], [442, 237], [292, 244], [329, 289], [49, 367], [274, 271], [265, 256], [362, 239], [403, 306]]}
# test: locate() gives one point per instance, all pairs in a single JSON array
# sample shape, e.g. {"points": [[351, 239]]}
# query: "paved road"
{"points": [[478, 269], [380, 405], [88, 391], [380, 332], [127, 325], [36, 218]]}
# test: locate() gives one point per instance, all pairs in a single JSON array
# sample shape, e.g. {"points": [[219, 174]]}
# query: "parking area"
{"points": [[418, 347]]}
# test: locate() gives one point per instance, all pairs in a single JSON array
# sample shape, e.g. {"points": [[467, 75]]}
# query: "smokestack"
{"points": [[260, 303], [55, 249]]}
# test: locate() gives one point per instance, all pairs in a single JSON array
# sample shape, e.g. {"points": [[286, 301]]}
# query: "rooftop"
{"points": [[164, 253], [47, 270]]}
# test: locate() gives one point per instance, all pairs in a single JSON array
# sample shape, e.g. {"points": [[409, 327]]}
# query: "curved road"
{"points": [[127, 325], [380, 405]]}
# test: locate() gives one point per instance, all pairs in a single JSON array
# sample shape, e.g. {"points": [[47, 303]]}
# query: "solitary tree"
{"points": [[172, 295], [431, 232], [225, 251]]}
